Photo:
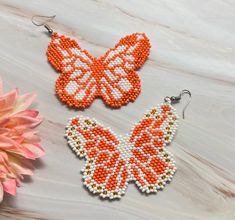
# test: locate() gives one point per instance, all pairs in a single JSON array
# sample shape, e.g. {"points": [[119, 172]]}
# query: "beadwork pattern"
{"points": [[114, 161], [111, 77]]}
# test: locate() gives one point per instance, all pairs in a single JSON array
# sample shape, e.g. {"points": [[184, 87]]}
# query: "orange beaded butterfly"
{"points": [[83, 77], [114, 161], [112, 76]]}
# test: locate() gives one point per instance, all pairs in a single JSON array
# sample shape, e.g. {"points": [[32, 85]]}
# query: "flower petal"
{"points": [[1, 87], [24, 101], [7, 102], [36, 149], [22, 120], [1, 192], [23, 167], [9, 186], [30, 136], [11, 146]]}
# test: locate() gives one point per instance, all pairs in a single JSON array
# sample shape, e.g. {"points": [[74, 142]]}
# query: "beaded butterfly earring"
{"points": [[83, 77], [113, 161]]}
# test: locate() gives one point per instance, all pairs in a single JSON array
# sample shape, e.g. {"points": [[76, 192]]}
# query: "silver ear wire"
{"points": [[176, 99], [43, 23]]}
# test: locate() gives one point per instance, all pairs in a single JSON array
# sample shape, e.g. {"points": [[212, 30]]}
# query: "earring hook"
{"points": [[176, 99], [43, 23]]}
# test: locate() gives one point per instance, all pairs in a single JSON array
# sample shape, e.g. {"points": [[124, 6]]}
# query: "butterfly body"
{"points": [[111, 77], [113, 161]]}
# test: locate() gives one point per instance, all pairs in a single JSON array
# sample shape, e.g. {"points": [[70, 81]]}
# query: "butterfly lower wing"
{"points": [[76, 85], [151, 165], [120, 83], [105, 172]]}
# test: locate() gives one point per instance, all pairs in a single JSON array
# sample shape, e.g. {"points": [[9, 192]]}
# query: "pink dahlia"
{"points": [[19, 141]]}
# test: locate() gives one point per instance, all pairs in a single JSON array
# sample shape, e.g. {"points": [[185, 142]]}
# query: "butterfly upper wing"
{"points": [[76, 84], [105, 171], [120, 83], [151, 165]]}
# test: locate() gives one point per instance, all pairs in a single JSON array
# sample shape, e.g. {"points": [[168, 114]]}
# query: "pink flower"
{"points": [[19, 141]]}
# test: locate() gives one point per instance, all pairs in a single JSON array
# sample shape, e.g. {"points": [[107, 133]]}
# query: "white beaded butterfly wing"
{"points": [[114, 161]]}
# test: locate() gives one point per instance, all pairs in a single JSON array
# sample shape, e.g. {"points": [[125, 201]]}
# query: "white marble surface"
{"points": [[193, 47]]}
